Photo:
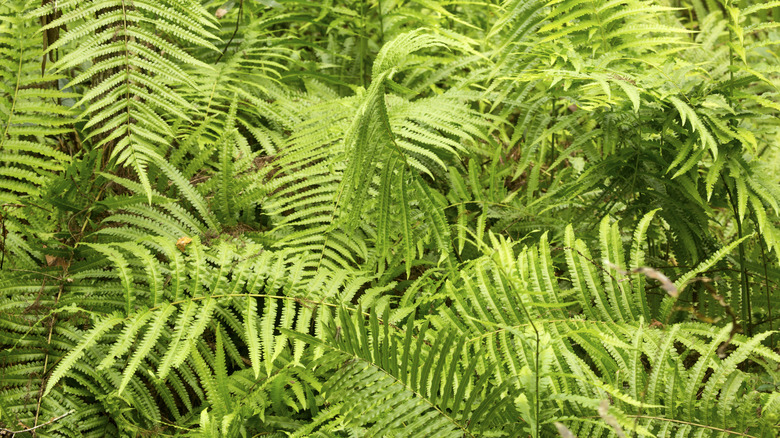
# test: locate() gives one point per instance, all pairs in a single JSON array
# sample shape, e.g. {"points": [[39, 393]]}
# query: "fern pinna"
{"points": [[514, 218]]}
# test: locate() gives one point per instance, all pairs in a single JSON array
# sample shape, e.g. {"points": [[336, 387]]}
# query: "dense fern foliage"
{"points": [[390, 218]]}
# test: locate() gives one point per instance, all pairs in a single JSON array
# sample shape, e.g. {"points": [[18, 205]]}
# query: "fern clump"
{"points": [[386, 218]]}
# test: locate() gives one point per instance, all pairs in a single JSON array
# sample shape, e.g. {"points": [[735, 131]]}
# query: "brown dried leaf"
{"points": [[182, 243], [666, 283], [56, 261]]}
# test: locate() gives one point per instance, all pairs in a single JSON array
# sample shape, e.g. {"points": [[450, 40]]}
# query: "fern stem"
{"points": [[536, 374], [48, 344], [235, 31], [731, 55], [601, 26], [3, 234], [537, 408], [553, 139], [128, 100], [535, 426], [381, 22], [747, 308], [766, 285], [363, 43]]}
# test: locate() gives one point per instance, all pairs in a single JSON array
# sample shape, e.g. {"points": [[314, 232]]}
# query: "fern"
{"points": [[389, 218], [130, 80]]}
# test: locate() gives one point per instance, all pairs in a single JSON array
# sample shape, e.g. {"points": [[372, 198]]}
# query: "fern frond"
{"points": [[132, 82]]}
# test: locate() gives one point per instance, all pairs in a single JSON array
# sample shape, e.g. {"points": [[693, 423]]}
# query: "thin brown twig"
{"points": [[30, 429], [48, 343], [235, 31], [666, 283]]}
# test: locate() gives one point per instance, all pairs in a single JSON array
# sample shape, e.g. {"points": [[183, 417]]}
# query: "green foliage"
{"points": [[390, 218]]}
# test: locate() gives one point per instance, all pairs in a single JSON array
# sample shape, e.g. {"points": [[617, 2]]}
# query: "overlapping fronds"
{"points": [[35, 118], [587, 331], [134, 70], [153, 341], [371, 154], [394, 384], [389, 218]]}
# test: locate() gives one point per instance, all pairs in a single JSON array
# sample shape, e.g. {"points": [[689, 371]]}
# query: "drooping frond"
{"points": [[335, 170]]}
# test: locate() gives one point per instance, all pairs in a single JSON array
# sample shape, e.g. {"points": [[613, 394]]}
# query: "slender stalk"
{"points": [[3, 234], [537, 407], [381, 22], [747, 308], [52, 321], [553, 139], [766, 285], [537, 410], [235, 31], [4, 431], [363, 43]]}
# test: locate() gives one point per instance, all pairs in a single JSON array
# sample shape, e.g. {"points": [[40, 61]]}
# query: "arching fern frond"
{"points": [[241, 298], [517, 313], [392, 384]]}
